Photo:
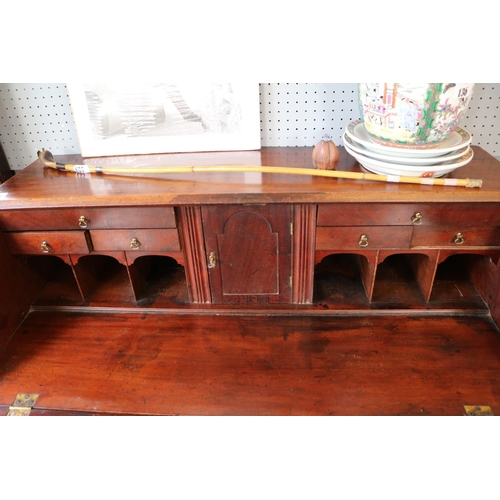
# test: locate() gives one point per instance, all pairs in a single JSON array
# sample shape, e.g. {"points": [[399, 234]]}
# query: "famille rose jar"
{"points": [[413, 115]]}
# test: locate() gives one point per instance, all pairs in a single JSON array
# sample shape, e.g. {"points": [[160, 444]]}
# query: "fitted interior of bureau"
{"points": [[159, 281], [338, 281], [384, 312], [162, 282]]}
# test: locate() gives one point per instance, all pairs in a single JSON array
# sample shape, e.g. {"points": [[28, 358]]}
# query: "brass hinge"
{"points": [[291, 228], [22, 405], [478, 411]]}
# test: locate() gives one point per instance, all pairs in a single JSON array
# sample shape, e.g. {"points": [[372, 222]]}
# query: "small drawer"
{"points": [[48, 242], [88, 218], [362, 237], [458, 214], [414, 214], [364, 214], [144, 240], [455, 237]]}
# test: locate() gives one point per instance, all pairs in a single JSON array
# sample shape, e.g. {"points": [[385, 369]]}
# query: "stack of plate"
{"points": [[451, 154]]}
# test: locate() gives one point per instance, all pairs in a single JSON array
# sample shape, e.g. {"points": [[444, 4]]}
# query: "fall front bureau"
{"points": [[228, 275], [261, 241]]}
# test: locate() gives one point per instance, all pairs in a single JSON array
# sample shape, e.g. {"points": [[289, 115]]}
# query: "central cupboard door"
{"points": [[248, 250]]}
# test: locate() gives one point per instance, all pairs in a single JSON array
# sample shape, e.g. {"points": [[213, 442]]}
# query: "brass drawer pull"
{"points": [[212, 260], [45, 247], [417, 219], [83, 222], [135, 244], [459, 239], [363, 241]]}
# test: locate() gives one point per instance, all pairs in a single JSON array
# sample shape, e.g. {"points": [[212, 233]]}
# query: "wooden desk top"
{"points": [[39, 187]]}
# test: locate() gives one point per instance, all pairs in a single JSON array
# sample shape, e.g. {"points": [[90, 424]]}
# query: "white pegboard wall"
{"points": [[38, 115], [299, 114], [35, 116], [482, 119]]}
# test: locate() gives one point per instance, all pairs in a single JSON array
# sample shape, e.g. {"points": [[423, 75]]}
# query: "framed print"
{"points": [[146, 118]]}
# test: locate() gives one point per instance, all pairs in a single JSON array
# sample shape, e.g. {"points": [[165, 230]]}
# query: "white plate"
{"points": [[401, 159], [385, 168], [458, 140]]}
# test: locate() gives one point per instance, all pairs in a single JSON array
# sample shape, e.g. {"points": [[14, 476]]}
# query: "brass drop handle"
{"points": [[135, 244], [83, 222], [459, 239], [363, 241], [417, 219], [212, 260], [45, 247]]}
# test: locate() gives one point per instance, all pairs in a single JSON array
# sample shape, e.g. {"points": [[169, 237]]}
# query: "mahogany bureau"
{"points": [[247, 245]]}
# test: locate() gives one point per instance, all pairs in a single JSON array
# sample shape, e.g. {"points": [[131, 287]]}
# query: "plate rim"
{"points": [[417, 161], [393, 166], [350, 130]]}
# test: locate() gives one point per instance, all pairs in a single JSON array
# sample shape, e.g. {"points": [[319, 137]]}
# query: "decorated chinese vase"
{"points": [[413, 115]]}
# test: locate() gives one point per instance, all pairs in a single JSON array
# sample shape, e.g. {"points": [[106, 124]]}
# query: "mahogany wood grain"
{"points": [[494, 300], [424, 269], [85, 274], [194, 365], [368, 272], [483, 270], [192, 241], [362, 214], [344, 280], [337, 265], [456, 236], [339, 287], [15, 300], [91, 270], [252, 247], [385, 214], [95, 218], [133, 255], [39, 187], [364, 237], [493, 254], [153, 274], [385, 330], [152, 240], [242, 272], [51, 242], [303, 253], [460, 215]]}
